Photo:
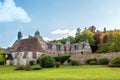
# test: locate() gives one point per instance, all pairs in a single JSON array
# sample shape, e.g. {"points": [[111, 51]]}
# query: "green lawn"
{"points": [[83, 72]]}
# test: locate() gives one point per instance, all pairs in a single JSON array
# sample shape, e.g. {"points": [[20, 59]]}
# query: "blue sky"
{"points": [[55, 18]]}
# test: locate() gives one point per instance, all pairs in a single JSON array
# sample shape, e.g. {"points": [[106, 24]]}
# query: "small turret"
{"points": [[19, 35], [37, 34], [68, 40], [67, 45]]}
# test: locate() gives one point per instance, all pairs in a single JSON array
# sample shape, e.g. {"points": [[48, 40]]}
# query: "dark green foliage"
{"points": [[88, 61], [103, 61], [2, 58], [9, 57], [36, 67], [115, 62], [46, 61], [104, 48], [31, 62], [74, 62], [61, 59], [93, 62], [1, 63], [57, 64]]}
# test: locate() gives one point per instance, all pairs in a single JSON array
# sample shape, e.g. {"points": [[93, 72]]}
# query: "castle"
{"points": [[25, 50]]}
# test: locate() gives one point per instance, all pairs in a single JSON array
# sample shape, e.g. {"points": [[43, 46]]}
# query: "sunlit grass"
{"points": [[83, 72]]}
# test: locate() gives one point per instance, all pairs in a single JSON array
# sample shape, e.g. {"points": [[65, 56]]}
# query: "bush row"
{"points": [[61, 59], [47, 61], [28, 68], [104, 61], [101, 61], [115, 62]]}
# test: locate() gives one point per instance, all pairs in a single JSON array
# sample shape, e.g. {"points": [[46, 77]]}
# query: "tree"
{"points": [[104, 30], [2, 59], [72, 39], [86, 35], [92, 28], [110, 42], [78, 31]]}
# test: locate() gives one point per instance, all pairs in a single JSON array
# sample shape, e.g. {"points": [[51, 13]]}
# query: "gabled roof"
{"points": [[15, 46], [29, 44]]}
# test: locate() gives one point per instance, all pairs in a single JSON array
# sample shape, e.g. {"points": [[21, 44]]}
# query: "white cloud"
{"points": [[64, 32], [51, 39], [59, 31], [46, 39], [72, 33], [9, 12]]}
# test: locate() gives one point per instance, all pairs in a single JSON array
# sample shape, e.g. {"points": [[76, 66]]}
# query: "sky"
{"points": [[55, 18]]}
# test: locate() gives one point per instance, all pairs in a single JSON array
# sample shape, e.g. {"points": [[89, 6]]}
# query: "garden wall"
{"points": [[83, 58]]}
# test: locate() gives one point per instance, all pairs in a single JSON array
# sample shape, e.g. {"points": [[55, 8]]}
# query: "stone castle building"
{"points": [[68, 48], [25, 50]]}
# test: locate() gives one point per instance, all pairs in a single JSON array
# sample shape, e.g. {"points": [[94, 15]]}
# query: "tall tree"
{"points": [[104, 30], [78, 31], [92, 28], [85, 35], [1, 56]]}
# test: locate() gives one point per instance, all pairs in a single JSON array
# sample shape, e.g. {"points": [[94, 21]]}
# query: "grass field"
{"points": [[83, 72]]}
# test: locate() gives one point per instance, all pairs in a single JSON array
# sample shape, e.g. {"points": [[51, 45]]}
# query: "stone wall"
{"points": [[83, 58]]}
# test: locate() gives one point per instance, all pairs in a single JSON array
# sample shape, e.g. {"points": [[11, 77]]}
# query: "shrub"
{"points": [[103, 61], [93, 62], [1, 63], [61, 59], [27, 68], [36, 67], [31, 62], [46, 61], [68, 61], [115, 62], [57, 64], [91, 59], [74, 62], [20, 68]]}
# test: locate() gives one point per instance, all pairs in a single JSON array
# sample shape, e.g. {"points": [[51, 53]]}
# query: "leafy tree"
{"points": [[104, 30], [72, 39], [92, 28], [110, 42], [85, 35], [78, 31], [2, 59]]}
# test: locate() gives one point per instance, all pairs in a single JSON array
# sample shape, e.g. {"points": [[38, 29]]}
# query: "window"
{"points": [[76, 47], [58, 47], [49, 46], [20, 54]]}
